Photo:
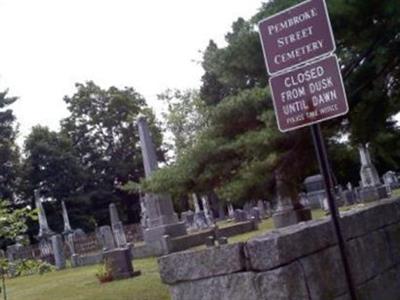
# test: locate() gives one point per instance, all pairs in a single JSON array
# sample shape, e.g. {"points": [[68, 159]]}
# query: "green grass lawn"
{"points": [[82, 284], [396, 193]]}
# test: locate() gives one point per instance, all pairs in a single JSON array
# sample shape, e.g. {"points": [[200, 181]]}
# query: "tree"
{"points": [[241, 151], [12, 224], [51, 166], [102, 128], [185, 119], [9, 152]]}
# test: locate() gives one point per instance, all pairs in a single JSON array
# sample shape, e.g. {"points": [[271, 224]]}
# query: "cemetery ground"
{"points": [[81, 283]]}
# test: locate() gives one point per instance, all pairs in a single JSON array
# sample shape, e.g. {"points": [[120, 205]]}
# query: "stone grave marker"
{"points": [[106, 238], [240, 215], [58, 251], [255, 213], [188, 218], [162, 218], [371, 188], [117, 227]]}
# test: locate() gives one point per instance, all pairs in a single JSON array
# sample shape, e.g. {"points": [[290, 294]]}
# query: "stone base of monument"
{"points": [[373, 193], [74, 260], [118, 262], [289, 217], [153, 237]]}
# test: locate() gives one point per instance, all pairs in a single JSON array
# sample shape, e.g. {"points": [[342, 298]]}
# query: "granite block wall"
{"points": [[296, 262]]}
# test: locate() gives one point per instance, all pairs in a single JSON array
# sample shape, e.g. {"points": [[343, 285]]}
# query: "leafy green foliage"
{"points": [[103, 274], [13, 221], [102, 130], [50, 164], [234, 156], [186, 117], [240, 152], [25, 267], [9, 152]]}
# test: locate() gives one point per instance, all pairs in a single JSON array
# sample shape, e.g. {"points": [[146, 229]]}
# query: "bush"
{"points": [[26, 267], [103, 274]]}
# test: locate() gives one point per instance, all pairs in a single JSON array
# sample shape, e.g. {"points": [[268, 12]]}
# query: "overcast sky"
{"points": [[48, 45]]}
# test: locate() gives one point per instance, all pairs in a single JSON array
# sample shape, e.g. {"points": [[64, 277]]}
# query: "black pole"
{"points": [[320, 149]]}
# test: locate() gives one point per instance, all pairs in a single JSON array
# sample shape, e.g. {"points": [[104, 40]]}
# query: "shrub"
{"points": [[103, 274], [26, 267]]}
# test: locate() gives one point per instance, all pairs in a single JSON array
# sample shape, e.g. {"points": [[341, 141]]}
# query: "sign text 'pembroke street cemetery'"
{"points": [[309, 94], [296, 35]]}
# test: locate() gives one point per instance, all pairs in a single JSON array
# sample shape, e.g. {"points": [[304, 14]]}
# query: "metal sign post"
{"points": [[322, 157]]}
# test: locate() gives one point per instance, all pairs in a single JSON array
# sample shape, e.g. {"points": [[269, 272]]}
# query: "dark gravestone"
{"points": [[256, 214], [200, 220], [188, 218], [210, 241], [348, 197], [118, 263], [240, 215], [315, 188], [223, 240], [390, 179]]}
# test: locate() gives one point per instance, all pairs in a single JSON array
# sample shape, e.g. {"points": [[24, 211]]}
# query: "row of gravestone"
{"points": [[202, 219], [115, 248], [370, 189], [370, 186]]}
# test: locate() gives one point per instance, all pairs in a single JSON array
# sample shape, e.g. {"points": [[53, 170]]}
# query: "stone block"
{"points": [[193, 265], [238, 286], [154, 236], [142, 251], [360, 221], [284, 218], [290, 217], [393, 237], [380, 214], [284, 245], [368, 194], [324, 274], [352, 223], [343, 297], [369, 256], [188, 241], [236, 229], [88, 260], [283, 283], [173, 230], [386, 286]]}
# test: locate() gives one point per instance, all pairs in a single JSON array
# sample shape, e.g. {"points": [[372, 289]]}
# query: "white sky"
{"points": [[48, 45]]}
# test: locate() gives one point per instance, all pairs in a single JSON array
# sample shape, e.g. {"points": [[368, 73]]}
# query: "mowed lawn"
{"points": [[82, 284]]}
